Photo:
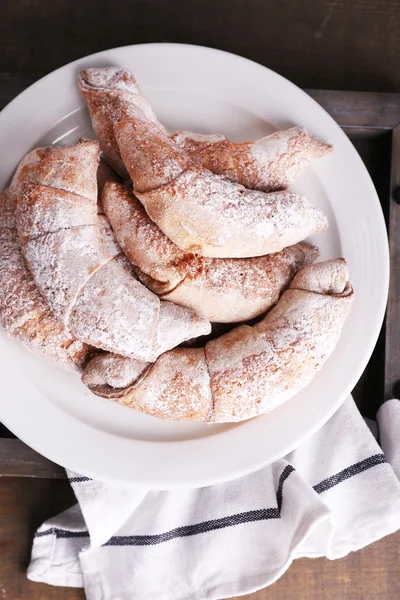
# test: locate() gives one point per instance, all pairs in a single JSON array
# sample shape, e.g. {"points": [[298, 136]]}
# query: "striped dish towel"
{"points": [[335, 494]]}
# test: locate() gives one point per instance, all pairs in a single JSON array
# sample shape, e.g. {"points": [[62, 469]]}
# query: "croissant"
{"points": [[24, 314], [199, 211], [92, 291], [269, 164], [246, 372], [223, 290]]}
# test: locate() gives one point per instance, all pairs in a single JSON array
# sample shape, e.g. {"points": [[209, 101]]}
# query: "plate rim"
{"points": [[233, 472]]}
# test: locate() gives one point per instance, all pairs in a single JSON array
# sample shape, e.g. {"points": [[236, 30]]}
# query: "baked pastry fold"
{"points": [[91, 290], [24, 313], [224, 290], [199, 211], [268, 164], [247, 372]]}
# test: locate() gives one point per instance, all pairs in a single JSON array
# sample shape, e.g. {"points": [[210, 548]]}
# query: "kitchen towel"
{"points": [[336, 493]]}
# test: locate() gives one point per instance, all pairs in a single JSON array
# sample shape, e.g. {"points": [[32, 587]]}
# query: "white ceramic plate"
{"points": [[207, 91]]}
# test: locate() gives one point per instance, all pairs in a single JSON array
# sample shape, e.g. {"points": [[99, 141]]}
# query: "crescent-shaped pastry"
{"points": [[199, 211], [268, 164], [246, 372], [90, 289], [24, 313], [224, 290]]}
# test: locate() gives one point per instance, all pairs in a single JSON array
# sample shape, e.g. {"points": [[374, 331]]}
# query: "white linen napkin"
{"points": [[335, 494]]}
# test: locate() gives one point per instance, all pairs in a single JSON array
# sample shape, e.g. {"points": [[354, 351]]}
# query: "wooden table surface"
{"points": [[331, 44], [370, 574]]}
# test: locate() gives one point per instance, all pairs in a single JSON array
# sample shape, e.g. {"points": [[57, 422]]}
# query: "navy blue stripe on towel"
{"points": [[355, 469], [261, 514]]}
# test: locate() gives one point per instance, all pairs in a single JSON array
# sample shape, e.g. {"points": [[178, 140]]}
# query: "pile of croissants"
{"points": [[118, 257]]}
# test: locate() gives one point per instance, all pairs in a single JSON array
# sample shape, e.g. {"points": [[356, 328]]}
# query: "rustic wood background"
{"points": [[331, 44], [315, 43]]}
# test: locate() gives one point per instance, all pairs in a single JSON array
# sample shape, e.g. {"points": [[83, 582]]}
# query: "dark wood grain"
{"points": [[392, 362], [376, 154], [18, 460], [24, 505], [326, 44], [371, 574], [363, 110]]}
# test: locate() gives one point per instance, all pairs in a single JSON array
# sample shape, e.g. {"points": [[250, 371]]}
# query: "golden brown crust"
{"points": [[104, 173], [142, 241], [269, 164], [253, 369], [176, 387], [24, 313], [87, 282], [222, 290], [199, 211], [107, 93], [107, 374]]}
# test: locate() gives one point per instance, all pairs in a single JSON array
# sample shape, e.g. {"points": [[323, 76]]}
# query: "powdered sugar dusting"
{"points": [[24, 314], [280, 158], [69, 168], [177, 387], [45, 209], [150, 156], [108, 78], [198, 210], [250, 370], [78, 265], [232, 290], [8, 206], [177, 324], [112, 95], [330, 277], [255, 369], [263, 276], [226, 290], [25, 172], [142, 241], [207, 214], [115, 312], [118, 372], [268, 149], [63, 262], [268, 164]]}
